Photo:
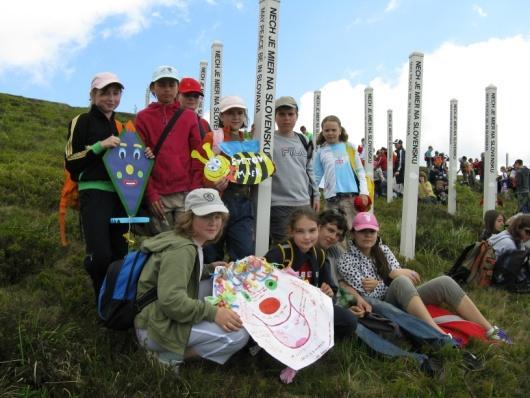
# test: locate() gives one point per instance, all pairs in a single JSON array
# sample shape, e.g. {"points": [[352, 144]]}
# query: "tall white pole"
{"points": [[147, 96], [203, 67], [216, 83], [268, 25], [490, 153], [507, 163], [316, 116], [368, 150], [453, 160], [389, 158], [412, 157]]}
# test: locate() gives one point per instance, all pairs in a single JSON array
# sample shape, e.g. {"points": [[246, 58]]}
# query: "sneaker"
{"points": [[496, 333]]}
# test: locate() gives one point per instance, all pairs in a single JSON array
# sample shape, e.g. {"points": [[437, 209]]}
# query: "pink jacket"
{"points": [[174, 169]]}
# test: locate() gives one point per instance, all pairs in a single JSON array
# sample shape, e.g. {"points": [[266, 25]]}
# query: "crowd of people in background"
{"points": [[199, 223]]}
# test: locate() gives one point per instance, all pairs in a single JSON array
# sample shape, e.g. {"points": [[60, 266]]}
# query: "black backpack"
{"points": [[512, 271], [309, 148], [117, 303]]}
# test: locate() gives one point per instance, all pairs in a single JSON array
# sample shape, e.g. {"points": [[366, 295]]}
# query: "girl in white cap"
{"points": [[91, 134], [180, 324], [238, 234]]}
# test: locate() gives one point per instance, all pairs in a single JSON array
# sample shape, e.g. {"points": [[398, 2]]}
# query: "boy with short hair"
{"points": [[293, 184], [174, 172]]}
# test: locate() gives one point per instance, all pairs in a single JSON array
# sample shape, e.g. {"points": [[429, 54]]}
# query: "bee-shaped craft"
{"points": [[241, 168]]}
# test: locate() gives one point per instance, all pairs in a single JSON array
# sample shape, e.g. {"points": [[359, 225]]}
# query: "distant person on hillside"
{"points": [[371, 269], [493, 224], [190, 96], [93, 133], [522, 176], [308, 134], [429, 157], [293, 184], [399, 166], [174, 173], [340, 165], [425, 192]]}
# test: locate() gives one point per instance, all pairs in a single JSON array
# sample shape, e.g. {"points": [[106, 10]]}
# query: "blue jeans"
{"points": [[415, 327], [238, 233]]}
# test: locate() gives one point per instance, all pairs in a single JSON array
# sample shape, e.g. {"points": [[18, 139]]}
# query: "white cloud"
{"points": [[451, 71], [391, 6], [478, 9], [45, 39]]}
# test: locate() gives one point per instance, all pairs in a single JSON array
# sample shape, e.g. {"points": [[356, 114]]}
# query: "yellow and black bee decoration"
{"points": [[241, 168]]}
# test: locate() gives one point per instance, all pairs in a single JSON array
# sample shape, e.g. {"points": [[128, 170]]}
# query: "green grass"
{"points": [[52, 346]]}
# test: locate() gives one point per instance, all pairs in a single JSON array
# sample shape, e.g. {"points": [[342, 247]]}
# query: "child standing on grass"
{"points": [[174, 173], [180, 324], [238, 233], [293, 185], [301, 255], [343, 183], [92, 133]]}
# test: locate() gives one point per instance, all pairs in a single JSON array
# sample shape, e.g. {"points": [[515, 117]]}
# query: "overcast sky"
{"points": [[51, 49]]}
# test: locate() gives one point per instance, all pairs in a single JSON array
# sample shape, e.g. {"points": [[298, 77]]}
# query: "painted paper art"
{"points": [[128, 168], [289, 318], [242, 167]]}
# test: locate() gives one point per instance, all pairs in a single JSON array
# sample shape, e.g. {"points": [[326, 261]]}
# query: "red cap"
{"points": [[358, 204], [189, 85]]}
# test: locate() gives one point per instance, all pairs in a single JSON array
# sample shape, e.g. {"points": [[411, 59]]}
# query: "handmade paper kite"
{"points": [[241, 167], [289, 318], [129, 171]]}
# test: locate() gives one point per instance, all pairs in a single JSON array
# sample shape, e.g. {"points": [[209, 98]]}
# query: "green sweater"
{"points": [[174, 269]]}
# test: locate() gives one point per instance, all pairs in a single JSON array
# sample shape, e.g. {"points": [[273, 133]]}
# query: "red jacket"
{"points": [[174, 169]]}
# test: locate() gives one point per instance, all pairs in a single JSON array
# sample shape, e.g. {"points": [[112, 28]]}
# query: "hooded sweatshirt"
{"points": [[174, 170], [174, 270], [502, 243]]}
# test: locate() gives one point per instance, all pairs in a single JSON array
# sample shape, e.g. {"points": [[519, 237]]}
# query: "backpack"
{"points": [[70, 193], [117, 303], [512, 271], [309, 148], [369, 182], [475, 265], [286, 249], [461, 329]]}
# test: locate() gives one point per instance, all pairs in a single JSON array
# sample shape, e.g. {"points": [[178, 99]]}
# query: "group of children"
{"points": [[193, 220]]}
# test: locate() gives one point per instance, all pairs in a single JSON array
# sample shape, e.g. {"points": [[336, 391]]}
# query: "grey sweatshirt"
{"points": [[294, 173]]}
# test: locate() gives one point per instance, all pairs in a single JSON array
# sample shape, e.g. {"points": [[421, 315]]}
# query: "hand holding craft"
{"points": [[228, 319]]}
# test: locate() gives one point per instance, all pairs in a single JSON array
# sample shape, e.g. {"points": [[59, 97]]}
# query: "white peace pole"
{"points": [[412, 157], [216, 83], [453, 161], [490, 155], [268, 24], [369, 131], [507, 160], [316, 116], [203, 66], [389, 159], [147, 96]]}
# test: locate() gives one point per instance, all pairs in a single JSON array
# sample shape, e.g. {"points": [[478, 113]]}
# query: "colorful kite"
{"points": [[242, 166], [289, 318], [129, 169]]}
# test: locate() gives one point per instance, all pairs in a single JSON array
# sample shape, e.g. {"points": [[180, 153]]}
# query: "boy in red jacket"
{"points": [[174, 173]]}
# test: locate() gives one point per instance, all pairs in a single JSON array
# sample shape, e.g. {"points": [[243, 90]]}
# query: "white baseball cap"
{"points": [[231, 101], [164, 71], [204, 201]]}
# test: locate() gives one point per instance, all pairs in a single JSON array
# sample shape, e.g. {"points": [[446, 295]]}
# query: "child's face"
{"points": [[233, 118], [165, 90], [286, 118], [190, 100], [206, 228], [331, 131], [304, 234], [328, 235], [107, 99], [499, 223]]}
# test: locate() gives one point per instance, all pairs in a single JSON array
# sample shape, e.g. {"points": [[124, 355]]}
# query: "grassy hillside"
{"points": [[52, 346]]}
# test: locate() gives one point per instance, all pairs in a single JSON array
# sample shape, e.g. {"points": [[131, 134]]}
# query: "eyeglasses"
{"points": [[191, 95]]}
